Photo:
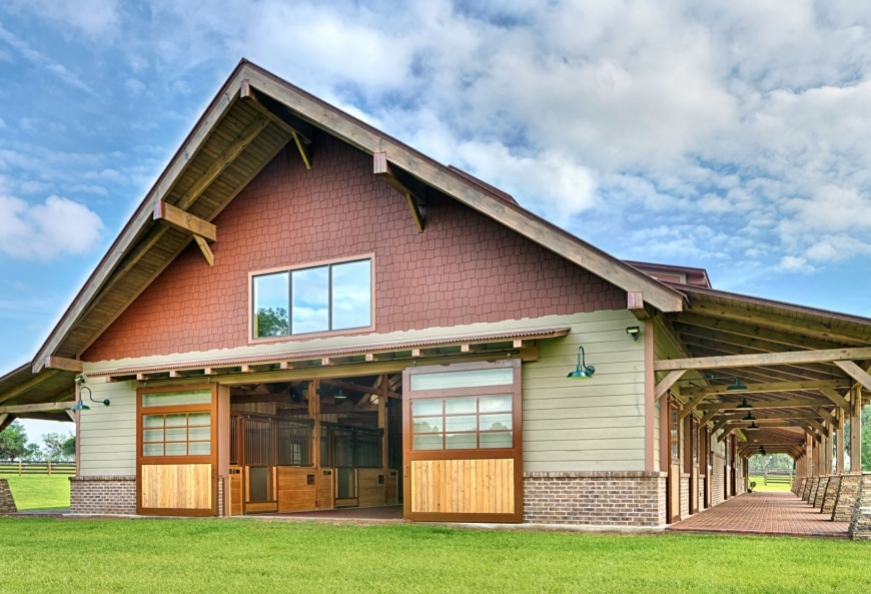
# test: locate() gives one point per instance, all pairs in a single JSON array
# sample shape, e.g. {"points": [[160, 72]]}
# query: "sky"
{"points": [[729, 135]]}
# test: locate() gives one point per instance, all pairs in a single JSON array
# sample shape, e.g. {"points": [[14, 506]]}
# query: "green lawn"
{"points": [[245, 555], [39, 492], [761, 486]]}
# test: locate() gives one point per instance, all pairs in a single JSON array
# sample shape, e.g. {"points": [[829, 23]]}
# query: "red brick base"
{"points": [[595, 498], [103, 495]]}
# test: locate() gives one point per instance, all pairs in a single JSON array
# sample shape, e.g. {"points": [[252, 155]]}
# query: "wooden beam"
{"points": [[810, 431], [818, 426], [774, 416], [718, 424], [303, 150], [759, 404], [768, 388], [635, 304], [668, 381], [72, 416], [184, 221], [42, 406], [761, 359], [707, 347], [707, 418], [63, 364], [836, 398], [856, 372], [227, 156], [31, 383], [827, 416], [277, 112], [5, 421], [413, 190], [690, 406], [377, 390], [205, 249]]}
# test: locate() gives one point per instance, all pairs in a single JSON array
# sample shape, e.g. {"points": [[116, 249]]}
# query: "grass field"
{"points": [[259, 556], [39, 492], [761, 486]]}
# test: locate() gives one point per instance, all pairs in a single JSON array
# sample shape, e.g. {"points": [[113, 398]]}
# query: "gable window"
{"points": [[313, 299]]}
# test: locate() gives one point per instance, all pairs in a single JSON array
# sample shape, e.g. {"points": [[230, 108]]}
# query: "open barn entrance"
{"points": [[319, 444]]}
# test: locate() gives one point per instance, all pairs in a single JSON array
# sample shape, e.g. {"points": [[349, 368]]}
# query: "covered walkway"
{"points": [[765, 513]]}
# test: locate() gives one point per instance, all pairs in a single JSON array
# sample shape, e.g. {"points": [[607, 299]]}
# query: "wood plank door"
{"points": [[674, 469], [177, 446], [463, 442]]}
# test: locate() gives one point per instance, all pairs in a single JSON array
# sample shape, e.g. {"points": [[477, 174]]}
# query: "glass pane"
{"points": [[463, 379], [176, 435], [176, 420], [352, 295], [428, 442], [200, 448], [310, 305], [428, 425], [501, 439], [152, 449], [153, 435], [199, 433], [495, 422], [176, 449], [422, 408], [459, 406], [461, 441], [270, 305], [177, 398], [152, 421], [199, 419], [461, 423], [495, 404]]}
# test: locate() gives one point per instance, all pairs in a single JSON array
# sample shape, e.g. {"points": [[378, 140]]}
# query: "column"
{"points": [[856, 430]]}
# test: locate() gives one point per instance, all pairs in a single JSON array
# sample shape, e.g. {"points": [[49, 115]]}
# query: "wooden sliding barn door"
{"points": [[177, 446], [463, 442]]}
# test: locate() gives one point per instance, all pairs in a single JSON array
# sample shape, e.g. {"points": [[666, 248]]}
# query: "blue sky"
{"points": [[728, 135]]}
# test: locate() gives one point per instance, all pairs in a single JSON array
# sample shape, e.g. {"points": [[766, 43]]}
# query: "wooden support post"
{"points": [[383, 421], [314, 411], [856, 430], [840, 442]]}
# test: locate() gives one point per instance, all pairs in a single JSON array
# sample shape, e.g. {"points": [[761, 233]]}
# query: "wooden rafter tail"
{"points": [[413, 190], [184, 221], [635, 304], [63, 364], [843, 358]]}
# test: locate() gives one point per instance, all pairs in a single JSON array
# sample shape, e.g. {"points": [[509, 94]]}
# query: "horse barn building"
{"points": [[306, 314]]}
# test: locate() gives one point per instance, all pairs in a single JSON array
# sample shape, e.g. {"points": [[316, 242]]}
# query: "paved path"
{"points": [[764, 513]]}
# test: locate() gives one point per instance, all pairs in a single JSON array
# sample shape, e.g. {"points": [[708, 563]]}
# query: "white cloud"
{"points": [[92, 17], [44, 231]]}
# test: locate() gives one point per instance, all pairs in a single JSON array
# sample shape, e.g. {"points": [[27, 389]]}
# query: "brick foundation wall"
{"points": [[7, 502], [110, 495], [684, 495], [595, 498]]}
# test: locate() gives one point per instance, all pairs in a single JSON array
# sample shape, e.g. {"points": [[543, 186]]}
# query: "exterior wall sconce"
{"points": [[633, 331], [582, 371], [80, 381]]}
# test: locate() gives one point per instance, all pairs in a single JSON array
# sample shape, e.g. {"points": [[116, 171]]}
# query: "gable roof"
{"points": [[232, 141]]}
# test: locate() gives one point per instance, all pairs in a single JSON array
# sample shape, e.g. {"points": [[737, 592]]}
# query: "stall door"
{"points": [[177, 451], [463, 442]]}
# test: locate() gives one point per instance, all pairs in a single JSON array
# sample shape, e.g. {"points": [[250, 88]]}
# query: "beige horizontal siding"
{"points": [[595, 424], [108, 433]]}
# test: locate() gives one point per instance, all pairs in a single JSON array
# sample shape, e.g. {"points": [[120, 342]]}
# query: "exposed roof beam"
{"points": [[413, 190], [301, 131], [763, 359], [184, 221], [377, 391], [667, 382], [227, 156], [811, 402], [635, 304], [64, 364], [29, 384], [818, 426], [719, 348], [5, 420], [772, 416], [40, 407], [754, 331], [856, 372], [836, 398], [767, 388]]}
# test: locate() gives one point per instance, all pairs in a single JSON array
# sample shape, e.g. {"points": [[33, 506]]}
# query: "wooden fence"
{"points": [[774, 476], [45, 467]]}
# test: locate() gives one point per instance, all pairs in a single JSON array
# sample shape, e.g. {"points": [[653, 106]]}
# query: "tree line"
{"points": [[14, 445]]}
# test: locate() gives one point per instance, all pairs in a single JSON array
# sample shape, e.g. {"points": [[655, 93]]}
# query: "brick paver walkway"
{"points": [[764, 513]]}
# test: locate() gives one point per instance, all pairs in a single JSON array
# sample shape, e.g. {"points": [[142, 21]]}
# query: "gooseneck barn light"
{"points": [[582, 371], [80, 405]]}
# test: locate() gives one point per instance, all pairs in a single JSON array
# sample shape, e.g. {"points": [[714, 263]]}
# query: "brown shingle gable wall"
{"points": [[464, 268]]}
